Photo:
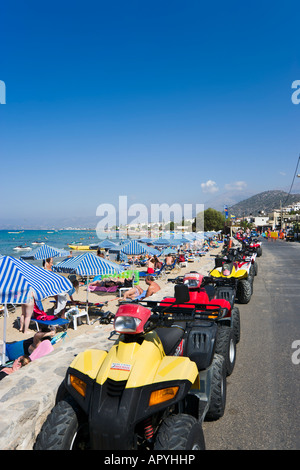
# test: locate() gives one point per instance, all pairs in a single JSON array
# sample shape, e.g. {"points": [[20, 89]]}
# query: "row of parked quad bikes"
{"points": [[166, 372]]}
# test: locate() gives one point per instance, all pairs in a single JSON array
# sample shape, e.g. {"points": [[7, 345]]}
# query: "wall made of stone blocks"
{"points": [[28, 395]]}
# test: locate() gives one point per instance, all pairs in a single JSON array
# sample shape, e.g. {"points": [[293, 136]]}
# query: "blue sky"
{"points": [[162, 101]]}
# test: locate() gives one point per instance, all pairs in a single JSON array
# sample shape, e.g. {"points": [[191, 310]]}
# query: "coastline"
{"points": [[12, 332]]}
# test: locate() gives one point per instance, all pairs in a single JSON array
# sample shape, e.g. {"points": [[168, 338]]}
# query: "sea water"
{"points": [[9, 239]]}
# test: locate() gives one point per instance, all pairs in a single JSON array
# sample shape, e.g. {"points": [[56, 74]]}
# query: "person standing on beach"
{"points": [[27, 311], [47, 264]]}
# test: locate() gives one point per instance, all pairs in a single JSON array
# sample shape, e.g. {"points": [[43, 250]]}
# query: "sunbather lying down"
{"points": [[120, 282], [23, 352], [138, 292]]}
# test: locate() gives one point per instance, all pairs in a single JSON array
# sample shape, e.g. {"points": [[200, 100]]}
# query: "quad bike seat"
{"points": [[171, 337]]}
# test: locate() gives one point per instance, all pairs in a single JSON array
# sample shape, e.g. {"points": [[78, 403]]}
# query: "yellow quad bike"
{"points": [[151, 391], [235, 274]]}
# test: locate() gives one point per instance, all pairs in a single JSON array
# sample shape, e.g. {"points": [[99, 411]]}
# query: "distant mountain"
{"points": [[266, 201], [228, 198]]}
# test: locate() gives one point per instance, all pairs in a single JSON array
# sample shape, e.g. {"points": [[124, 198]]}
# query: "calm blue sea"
{"points": [[57, 239], [9, 239]]}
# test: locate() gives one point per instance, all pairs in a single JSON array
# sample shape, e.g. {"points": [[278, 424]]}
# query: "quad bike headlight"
{"points": [[226, 269], [125, 324]]}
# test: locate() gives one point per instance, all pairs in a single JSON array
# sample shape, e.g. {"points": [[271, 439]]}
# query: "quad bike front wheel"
{"points": [[244, 291], [218, 389], [180, 432], [64, 429]]}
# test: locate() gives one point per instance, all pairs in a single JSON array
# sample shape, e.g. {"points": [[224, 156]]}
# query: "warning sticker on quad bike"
{"points": [[120, 366]]}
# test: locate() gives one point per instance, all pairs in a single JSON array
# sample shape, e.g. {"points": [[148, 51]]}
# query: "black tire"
{"points": [[259, 251], [252, 271], [218, 390], [236, 324], [244, 291], [180, 432], [64, 429], [255, 268], [226, 347]]}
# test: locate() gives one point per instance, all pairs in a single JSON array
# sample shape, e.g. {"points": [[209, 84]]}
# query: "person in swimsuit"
{"points": [[137, 291], [19, 351], [27, 346]]}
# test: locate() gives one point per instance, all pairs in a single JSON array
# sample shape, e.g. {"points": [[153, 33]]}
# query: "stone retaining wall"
{"points": [[28, 395]]}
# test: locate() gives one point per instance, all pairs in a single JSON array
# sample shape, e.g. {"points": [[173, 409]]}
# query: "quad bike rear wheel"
{"points": [[236, 324], [180, 432]]}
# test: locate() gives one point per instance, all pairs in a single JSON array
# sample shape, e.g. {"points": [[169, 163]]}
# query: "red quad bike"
{"points": [[253, 244], [205, 291]]}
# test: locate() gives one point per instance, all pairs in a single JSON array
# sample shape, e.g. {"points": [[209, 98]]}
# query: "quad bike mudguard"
{"points": [[120, 384]]}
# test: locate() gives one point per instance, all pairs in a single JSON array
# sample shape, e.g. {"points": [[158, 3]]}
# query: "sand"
{"points": [[13, 334]]}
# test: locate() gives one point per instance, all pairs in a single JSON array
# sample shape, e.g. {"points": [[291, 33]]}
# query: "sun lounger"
{"points": [[156, 275], [56, 322]]}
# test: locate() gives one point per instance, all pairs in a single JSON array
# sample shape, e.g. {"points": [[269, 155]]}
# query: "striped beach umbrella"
{"points": [[19, 280], [161, 241], [87, 264], [134, 248], [46, 251], [107, 244]]}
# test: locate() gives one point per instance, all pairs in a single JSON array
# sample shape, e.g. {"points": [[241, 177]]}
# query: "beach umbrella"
{"points": [[107, 244], [168, 251], [46, 251], [179, 241], [152, 251], [87, 264], [134, 248], [161, 241], [19, 279], [146, 240]]}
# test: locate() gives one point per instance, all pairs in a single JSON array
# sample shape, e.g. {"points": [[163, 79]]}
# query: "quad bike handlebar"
{"points": [[165, 315]]}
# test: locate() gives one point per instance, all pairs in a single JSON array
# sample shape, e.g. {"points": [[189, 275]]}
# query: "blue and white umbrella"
{"points": [[152, 251], [168, 251], [134, 248], [19, 280], [161, 241], [146, 240], [46, 251], [107, 244], [87, 264]]}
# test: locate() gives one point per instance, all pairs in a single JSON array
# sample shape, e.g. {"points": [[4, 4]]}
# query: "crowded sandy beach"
{"points": [[111, 300]]}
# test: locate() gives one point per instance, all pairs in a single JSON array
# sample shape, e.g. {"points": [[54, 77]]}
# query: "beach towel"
{"points": [[39, 314], [58, 337], [103, 289], [45, 347]]}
